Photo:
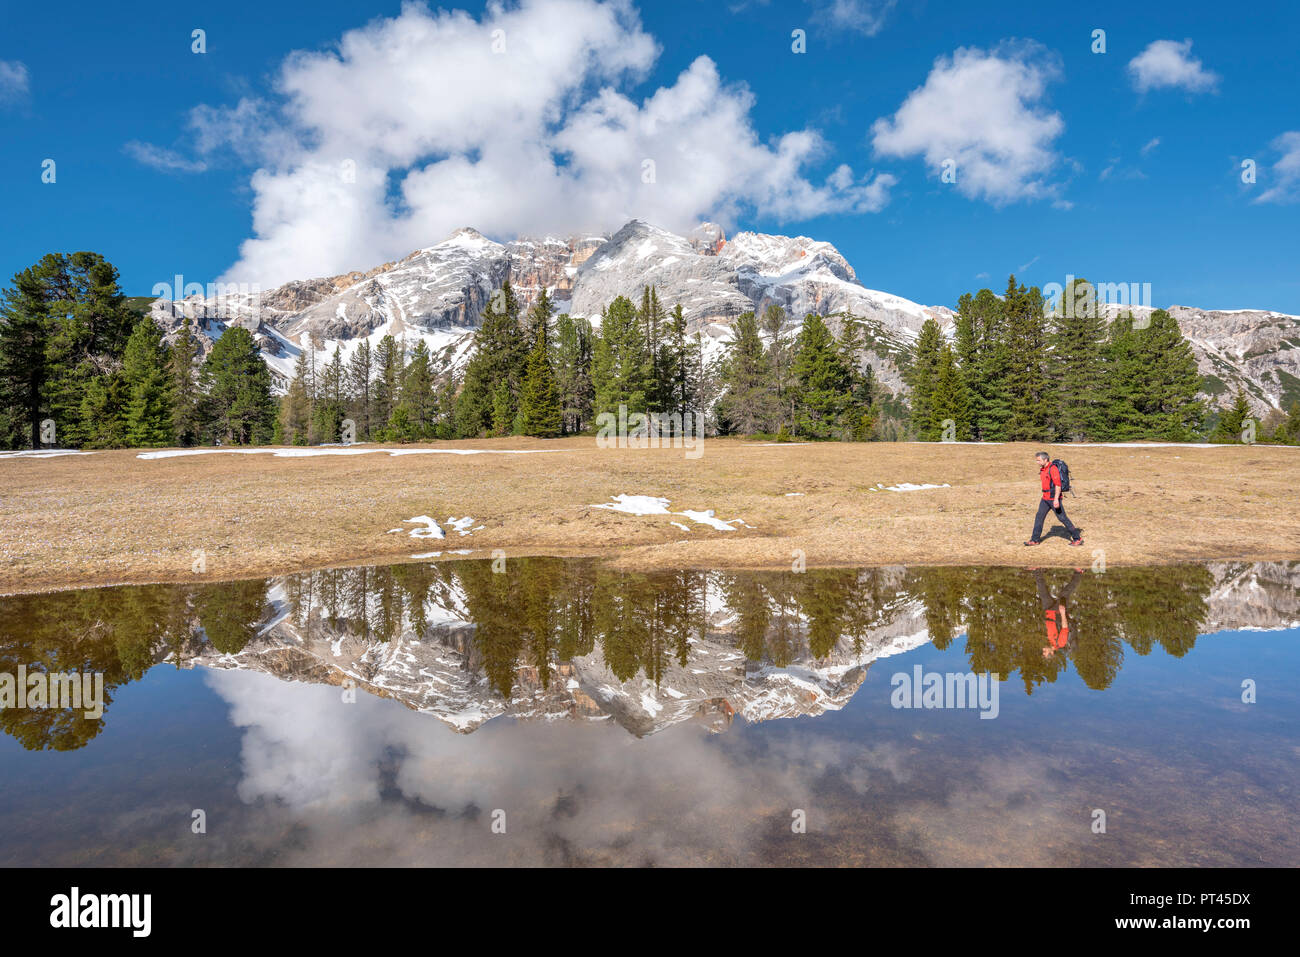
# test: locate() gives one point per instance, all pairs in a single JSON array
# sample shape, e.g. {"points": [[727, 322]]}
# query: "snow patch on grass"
{"points": [[293, 452], [657, 505], [431, 530], [41, 453], [904, 487]]}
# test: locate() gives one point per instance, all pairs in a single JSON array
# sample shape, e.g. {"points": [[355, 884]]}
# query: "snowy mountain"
{"points": [[437, 294]]}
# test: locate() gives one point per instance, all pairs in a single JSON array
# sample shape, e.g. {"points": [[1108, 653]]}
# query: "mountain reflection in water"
{"points": [[321, 718], [550, 638]]}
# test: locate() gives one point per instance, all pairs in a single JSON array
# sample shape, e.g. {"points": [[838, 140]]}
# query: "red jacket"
{"points": [[1050, 477], [1057, 634]]}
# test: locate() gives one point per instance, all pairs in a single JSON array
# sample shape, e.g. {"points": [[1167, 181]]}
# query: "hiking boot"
{"points": [[1031, 542], [1077, 542]]}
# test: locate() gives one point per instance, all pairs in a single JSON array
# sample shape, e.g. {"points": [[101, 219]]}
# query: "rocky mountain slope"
{"points": [[437, 294]]}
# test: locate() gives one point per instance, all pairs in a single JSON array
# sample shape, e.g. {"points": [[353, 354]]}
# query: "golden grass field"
{"points": [[111, 517]]}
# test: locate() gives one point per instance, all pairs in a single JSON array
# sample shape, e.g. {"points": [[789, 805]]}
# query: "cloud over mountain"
{"points": [[526, 119]]}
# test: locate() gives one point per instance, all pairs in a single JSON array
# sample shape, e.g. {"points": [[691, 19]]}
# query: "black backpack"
{"points": [[1065, 474]]}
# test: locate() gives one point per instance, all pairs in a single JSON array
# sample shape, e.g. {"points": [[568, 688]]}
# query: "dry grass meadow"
{"points": [[111, 517]]}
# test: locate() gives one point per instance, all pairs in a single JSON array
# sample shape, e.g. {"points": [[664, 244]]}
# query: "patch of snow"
{"points": [[431, 530]]}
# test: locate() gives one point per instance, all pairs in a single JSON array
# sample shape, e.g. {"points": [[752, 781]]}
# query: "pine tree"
{"points": [[236, 387], [620, 372], [389, 369], [950, 401], [539, 400], [573, 344], [1151, 382], [1233, 419], [921, 374], [1027, 380], [773, 326], [651, 318], [186, 423], [1078, 339], [102, 413], [1289, 430], [360, 390], [821, 382], [327, 409], [499, 354], [503, 410], [748, 403], [295, 406], [860, 412], [417, 407], [148, 413], [90, 324], [24, 331], [680, 365]]}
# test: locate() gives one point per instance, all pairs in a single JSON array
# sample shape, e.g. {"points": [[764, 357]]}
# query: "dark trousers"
{"points": [[1044, 506]]}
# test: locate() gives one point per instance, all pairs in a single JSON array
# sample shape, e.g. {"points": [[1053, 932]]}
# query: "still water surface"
{"points": [[408, 714]]}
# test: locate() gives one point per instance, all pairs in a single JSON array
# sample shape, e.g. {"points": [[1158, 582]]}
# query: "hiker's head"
{"points": [[1041, 458]]}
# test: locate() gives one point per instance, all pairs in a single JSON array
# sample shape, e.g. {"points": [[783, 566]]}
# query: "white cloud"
{"points": [[1151, 144], [164, 159], [1285, 182], [1170, 64], [864, 16], [983, 111], [413, 126], [13, 80]]}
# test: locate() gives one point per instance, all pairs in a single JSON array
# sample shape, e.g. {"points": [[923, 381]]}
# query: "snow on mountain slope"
{"points": [[437, 294]]}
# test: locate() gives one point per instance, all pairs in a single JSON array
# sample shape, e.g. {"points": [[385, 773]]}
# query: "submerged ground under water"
{"points": [[558, 712]]}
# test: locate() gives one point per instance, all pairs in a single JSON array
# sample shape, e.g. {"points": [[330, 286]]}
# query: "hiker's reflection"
{"points": [[1055, 611]]}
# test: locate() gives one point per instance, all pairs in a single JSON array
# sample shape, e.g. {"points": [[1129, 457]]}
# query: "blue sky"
{"points": [[1122, 166]]}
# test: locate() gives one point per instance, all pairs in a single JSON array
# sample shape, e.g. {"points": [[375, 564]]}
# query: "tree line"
{"points": [[81, 368], [1017, 370], [75, 353]]}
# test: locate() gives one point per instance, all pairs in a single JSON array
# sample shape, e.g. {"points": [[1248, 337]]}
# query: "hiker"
{"points": [[1055, 614], [1050, 479]]}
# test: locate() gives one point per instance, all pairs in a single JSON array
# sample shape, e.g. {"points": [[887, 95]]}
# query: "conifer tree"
{"points": [[573, 345], [950, 401], [1027, 382], [148, 412], [327, 409], [539, 400], [1152, 381], [236, 387], [390, 366], [620, 372], [417, 407], [748, 403], [1078, 339], [779, 357], [821, 382], [499, 354], [295, 406], [1233, 420], [860, 412], [24, 372], [182, 377], [921, 374], [359, 390]]}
